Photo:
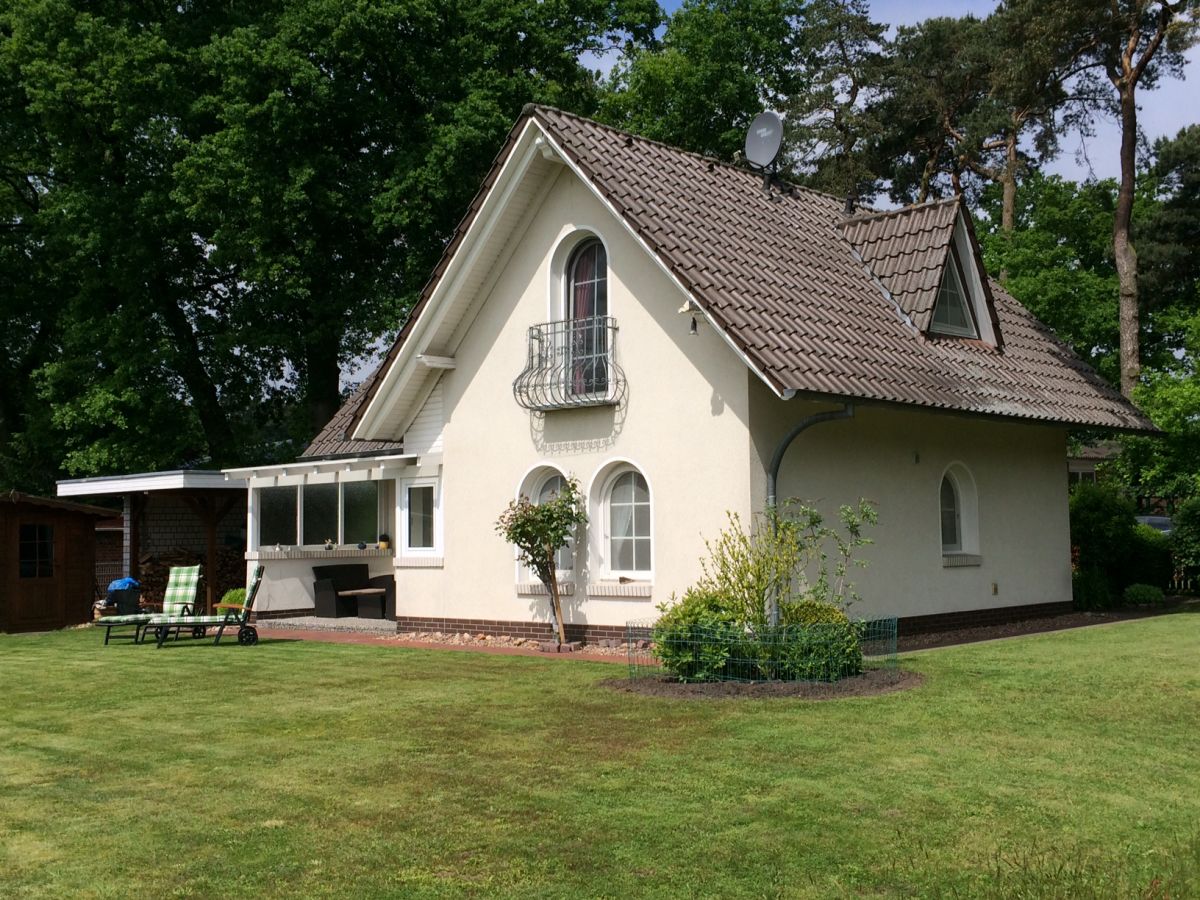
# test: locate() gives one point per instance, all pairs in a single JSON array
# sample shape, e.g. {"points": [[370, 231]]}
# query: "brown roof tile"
{"points": [[780, 275], [784, 276]]}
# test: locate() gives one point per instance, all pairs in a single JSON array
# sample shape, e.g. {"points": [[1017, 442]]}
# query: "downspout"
{"points": [[846, 412]]}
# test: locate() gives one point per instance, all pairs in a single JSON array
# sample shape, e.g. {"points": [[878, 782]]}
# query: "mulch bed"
{"points": [[907, 642], [869, 684]]}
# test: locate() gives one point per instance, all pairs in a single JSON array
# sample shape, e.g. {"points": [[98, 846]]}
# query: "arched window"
{"points": [[628, 520], [564, 560], [951, 516], [959, 505], [587, 309]]}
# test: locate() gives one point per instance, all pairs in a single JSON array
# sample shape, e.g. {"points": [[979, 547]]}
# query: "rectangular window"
{"points": [[420, 517], [360, 512], [320, 514], [277, 516], [36, 551]]}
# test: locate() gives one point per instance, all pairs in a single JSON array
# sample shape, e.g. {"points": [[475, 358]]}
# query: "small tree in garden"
{"points": [[540, 530]]}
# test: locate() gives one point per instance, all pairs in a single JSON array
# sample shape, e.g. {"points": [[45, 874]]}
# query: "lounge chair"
{"points": [[128, 615], [174, 621], [179, 600]]}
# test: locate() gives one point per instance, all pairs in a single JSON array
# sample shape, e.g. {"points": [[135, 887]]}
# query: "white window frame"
{"points": [[605, 514], [403, 547], [954, 269], [966, 495], [957, 546]]}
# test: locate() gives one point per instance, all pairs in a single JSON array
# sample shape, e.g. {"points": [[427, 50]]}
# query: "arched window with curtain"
{"points": [[587, 310], [951, 516], [628, 519]]}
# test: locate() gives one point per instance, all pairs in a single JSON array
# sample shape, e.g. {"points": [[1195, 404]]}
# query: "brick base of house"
{"points": [[974, 618], [589, 634], [593, 633]]}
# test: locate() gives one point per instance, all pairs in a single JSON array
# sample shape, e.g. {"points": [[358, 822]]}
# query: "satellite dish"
{"points": [[764, 140]]}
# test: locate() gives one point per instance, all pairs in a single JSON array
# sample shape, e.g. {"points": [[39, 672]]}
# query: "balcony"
{"points": [[571, 364]]}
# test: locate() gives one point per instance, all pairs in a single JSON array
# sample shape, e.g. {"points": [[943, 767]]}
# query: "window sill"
{"points": [[961, 560], [641, 590], [301, 553], [537, 589], [419, 562]]}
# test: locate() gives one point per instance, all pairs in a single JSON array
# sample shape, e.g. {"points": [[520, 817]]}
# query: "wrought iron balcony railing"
{"points": [[571, 364]]}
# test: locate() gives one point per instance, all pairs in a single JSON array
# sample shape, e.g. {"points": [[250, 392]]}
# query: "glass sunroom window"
{"points": [[277, 516]]}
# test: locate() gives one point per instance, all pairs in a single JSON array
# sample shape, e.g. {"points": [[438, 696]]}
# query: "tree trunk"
{"points": [[555, 601], [322, 381], [1008, 184], [189, 365], [1123, 250]]}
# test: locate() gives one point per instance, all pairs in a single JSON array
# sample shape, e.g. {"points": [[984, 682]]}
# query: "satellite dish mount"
{"points": [[764, 142]]}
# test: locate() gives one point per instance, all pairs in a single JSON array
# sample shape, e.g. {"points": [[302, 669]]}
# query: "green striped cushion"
{"points": [[180, 594], [133, 619], [188, 620]]}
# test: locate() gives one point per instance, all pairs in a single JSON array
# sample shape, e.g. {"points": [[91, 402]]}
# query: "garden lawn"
{"points": [[1054, 765]]}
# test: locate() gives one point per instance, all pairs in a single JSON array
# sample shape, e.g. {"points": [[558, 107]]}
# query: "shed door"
{"points": [[37, 601]]}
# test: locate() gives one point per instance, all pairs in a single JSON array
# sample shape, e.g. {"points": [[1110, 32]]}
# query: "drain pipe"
{"points": [[832, 415], [846, 412]]}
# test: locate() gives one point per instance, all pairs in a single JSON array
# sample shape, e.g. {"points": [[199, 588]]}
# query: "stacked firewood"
{"points": [[156, 568]]}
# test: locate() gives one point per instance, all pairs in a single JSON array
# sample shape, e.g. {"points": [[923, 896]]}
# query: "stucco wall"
{"points": [[684, 424], [896, 458]]}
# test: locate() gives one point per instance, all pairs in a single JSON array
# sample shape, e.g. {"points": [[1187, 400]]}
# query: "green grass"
{"points": [[1057, 765]]}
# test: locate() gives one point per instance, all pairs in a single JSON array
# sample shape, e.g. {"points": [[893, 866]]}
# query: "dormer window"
{"points": [[952, 314]]}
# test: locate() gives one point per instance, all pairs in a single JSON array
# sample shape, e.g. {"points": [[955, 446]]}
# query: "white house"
{"points": [[656, 324]]}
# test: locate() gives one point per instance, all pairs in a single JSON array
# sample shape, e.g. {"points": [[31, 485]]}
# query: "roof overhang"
{"points": [[178, 480], [361, 468]]}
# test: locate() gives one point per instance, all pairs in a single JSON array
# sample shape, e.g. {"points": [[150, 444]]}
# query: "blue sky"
{"points": [[1162, 112]]}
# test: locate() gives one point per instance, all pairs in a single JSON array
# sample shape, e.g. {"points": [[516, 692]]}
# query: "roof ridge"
{"points": [[903, 210], [531, 108]]}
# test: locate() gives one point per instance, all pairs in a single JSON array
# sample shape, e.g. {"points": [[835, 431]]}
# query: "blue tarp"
{"points": [[122, 584]]}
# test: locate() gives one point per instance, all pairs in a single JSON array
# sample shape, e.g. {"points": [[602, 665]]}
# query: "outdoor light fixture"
{"points": [[692, 329]]}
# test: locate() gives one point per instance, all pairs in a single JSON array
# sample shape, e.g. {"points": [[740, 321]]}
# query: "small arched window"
{"points": [[587, 311], [628, 518], [951, 516], [564, 559]]}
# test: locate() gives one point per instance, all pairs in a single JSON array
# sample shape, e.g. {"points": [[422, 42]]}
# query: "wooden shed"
{"points": [[47, 564]]}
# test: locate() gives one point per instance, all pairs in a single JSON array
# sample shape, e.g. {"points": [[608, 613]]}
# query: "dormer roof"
{"points": [[816, 304]]}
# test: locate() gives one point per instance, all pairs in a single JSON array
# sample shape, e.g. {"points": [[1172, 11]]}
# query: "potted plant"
{"points": [[384, 541]]}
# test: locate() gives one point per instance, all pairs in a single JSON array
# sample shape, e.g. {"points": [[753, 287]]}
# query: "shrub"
{"points": [[235, 597], [1102, 528], [1149, 558], [815, 641], [1090, 590], [1143, 595], [693, 638]]}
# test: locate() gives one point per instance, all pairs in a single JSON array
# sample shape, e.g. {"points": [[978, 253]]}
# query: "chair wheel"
{"points": [[199, 631], [247, 636]]}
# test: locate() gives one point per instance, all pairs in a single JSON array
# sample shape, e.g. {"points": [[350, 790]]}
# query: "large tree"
{"points": [[719, 63], [833, 124], [210, 209], [1133, 44]]}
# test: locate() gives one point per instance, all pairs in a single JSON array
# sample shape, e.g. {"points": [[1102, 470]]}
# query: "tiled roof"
{"points": [[777, 274], [907, 250], [809, 296], [334, 438]]}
